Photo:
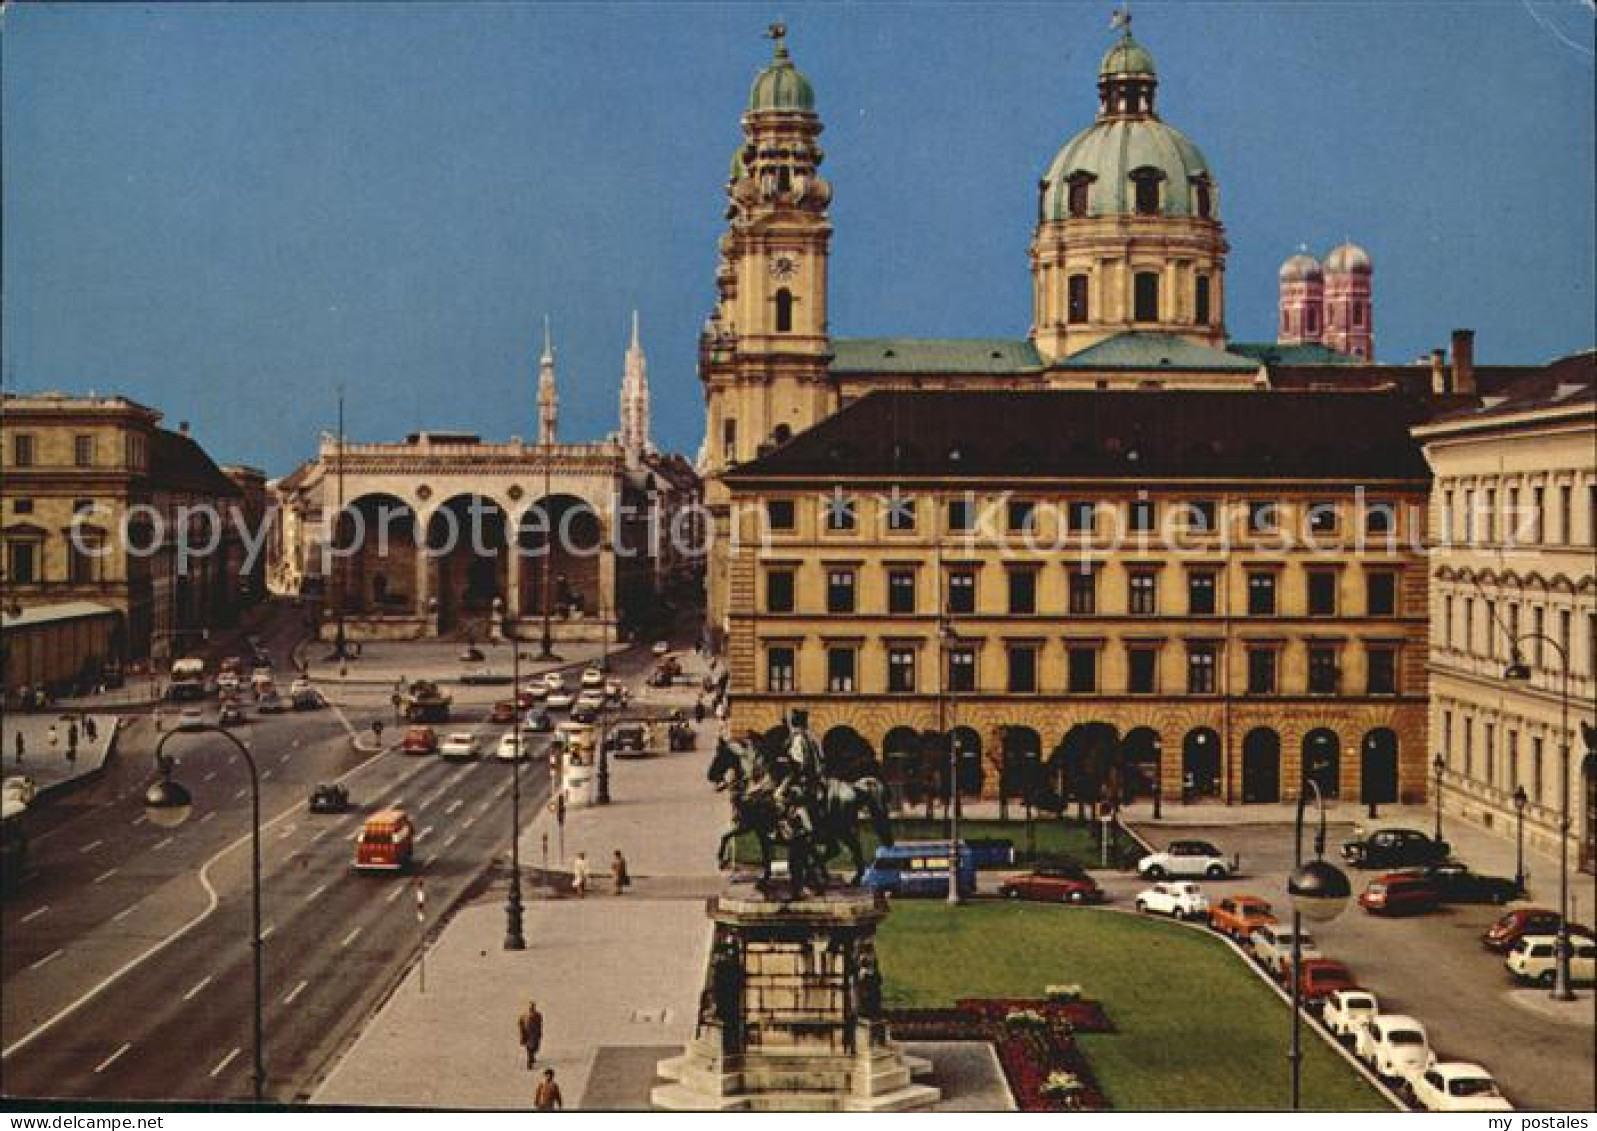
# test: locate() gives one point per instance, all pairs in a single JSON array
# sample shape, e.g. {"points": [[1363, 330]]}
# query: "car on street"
{"points": [[307, 700], [1395, 1046], [584, 714], [1186, 859], [329, 798], [592, 677], [459, 745], [553, 680], [1395, 848], [1055, 883], [1516, 924], [1456, 1085], [503, 712], [559, 699], [628, 739], [1346, 1011], [191, 717], [614, 690], [661, 647], [1271, 945], [1239, 915], [1400, 893], [592, 698], [1320, 978], [300, 684], [508, 747], [538, 721], [270, 703], [1533, 959], [530, 696], [386, 842], [419, 740], [261, 674], [1455, 883], [1177, 900], [230, 714]]}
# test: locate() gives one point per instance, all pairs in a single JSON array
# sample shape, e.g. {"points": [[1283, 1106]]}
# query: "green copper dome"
{"points": [[1109, 152], [1127, 57], [781, 86]]}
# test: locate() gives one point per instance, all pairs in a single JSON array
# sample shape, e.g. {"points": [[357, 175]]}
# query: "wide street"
{"points": [[115, 911], [1429, 966]]}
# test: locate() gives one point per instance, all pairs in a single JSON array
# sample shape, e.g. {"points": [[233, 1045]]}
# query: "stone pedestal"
{"points": [[790, 1015]]}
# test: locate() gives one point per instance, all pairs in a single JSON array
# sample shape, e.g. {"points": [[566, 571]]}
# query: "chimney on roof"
{"points": [[1464, 362], [1439, 377], [183, 427]]}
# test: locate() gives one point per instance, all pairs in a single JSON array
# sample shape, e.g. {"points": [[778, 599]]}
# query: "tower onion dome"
{"points": [[1348, 259], [781, 86], [1126, 144], [1301, 268]]}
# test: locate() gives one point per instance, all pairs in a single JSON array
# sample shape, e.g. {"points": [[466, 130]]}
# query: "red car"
{"points": [[1053, 885], [1397, 893], [1321, 978], [419, 740], [503, 712], [1503, 934]]}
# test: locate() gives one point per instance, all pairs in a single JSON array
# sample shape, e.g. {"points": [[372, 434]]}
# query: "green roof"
{"points": [[1154, 352], [1127, 57], [1109, 151], [782, 86], [1309, 353], [986, 356]]}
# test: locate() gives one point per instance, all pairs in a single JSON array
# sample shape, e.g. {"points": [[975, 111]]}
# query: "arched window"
{"points": [[1079, 194], [1201, 301], [1146, 184], [1314, 320], [784, 311], [1078, 306], [1145, 296], [1203, 197]]}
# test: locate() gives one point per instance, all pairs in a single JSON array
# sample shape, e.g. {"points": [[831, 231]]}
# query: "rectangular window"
{"points": [[779, 513], [1263, 516], [1566, 515], [779, 591], [1538, 506], [1083, 591], [780, 670], [1322, 593], [1022, 514], [1322, 517], [1082, 670], [1511, 756], [961, 670], [1381, 593], [1200, 669], [83, 562], [1022, 591], [1261, 671], [840, 669], [840, 512], [840, 591], [1201, 301], [1142, 516], [961, 515], [1261, 593], [1022, 669], [900, 512], [22, 450], [1144, 594], [1078, 305], [1447, 623], [729, 441], [21, 506], [962, 591], [1383, 671], [1082, 517], [1200, 593], [83, 451], [901, 671], [22, 562], [1142, 665], [1536, 748], [1489, 740], [901, 591], [1322, 669], [1145, 296], [1201, 516]]}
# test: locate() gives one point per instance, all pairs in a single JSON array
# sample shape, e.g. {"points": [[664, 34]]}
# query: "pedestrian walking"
{"points": [[530, 1028], [547, 1097], [698, 710], [91, 728], [72, 742], [580, 875], [156, 716], [55, 739], [22, 746], [618, 872]]}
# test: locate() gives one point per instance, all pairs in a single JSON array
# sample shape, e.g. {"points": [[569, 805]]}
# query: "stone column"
{"points": [[513, 579]]}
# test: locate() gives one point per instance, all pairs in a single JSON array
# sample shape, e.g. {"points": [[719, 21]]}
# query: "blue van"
{"points": [[919, 867]]}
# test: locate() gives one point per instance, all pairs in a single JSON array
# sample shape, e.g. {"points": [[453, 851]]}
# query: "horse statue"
{"points": [[813, 821]]}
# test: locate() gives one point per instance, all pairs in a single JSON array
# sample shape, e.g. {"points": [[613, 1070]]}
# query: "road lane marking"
{"points": [[267, 933], [283, 759], [266, 773], [349, 938], [198, 986], [91, 846], [47, 959], [319, 834], [225, 1061], [210, 776], [161, 844], [393, 895], [139, 820], [316, 893], [295, 992], [35, 913], [453, 805], [424, 832], [112, 1059], [453, 837], [241, 794], [468, 822], [103, 876], [502, 790], [288, 832], [209, 813], [124, 913], [485, 806]]}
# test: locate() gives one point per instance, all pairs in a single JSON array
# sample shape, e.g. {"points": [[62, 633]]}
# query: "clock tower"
{"points": [[765, 348]]}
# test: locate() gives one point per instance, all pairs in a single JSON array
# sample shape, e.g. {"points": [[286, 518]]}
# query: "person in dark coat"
{"points": [[547, 1097], [22, 747], [530, 1027]]}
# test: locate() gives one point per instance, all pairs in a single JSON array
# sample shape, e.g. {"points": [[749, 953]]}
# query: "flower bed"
{"points": [[1034, 1040]]}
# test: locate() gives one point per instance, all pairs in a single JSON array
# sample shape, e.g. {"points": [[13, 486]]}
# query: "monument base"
{"points": [[790, 1019]]}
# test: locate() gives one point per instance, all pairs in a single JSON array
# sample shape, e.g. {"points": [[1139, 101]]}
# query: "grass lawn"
{"points": [[1196, 1029], [1052, 836]]}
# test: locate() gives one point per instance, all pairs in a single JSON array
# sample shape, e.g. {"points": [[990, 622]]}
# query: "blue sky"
{"points": [[226, 211]]}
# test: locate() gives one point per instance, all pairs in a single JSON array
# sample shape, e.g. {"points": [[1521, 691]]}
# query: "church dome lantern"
{"points": [[781, 87]]}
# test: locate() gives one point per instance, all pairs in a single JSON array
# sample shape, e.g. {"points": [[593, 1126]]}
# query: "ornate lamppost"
{"points": [[1319, 890], [1520, 801], [1438, 767]]}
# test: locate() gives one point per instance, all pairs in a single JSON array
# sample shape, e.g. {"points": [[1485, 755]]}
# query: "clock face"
{"points": [[784, 267]]}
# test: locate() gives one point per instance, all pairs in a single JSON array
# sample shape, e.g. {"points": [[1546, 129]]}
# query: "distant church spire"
{"points": [[635, 399], [548, 398]]}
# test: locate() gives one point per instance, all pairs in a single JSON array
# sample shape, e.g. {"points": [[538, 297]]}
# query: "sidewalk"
{"points": [[389, 662], [47, 764]]}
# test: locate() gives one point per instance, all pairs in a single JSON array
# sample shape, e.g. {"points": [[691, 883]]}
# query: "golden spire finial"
{"points": [[777, 34]]}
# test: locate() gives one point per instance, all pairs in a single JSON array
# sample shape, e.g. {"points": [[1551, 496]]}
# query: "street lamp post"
{"points": [[1520, 801], [515, 936], [1319, 891], [954, 899], [1438, 767], [1519, 671], [168, 804], [1158, 778]]}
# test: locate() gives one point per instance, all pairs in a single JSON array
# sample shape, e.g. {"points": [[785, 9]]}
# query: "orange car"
{"points": [[1240, 915], [386, 842], [419, 740]]}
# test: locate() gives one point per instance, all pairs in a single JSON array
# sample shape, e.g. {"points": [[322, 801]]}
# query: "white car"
{"points": [[1395, 1046], [1456, 1085], [1186, 859], [1271, 944], [301, 684], [190, 717], [1177, 900], [559, 699], [1346, 1011], [554, 680], [614, 690], [506, 750], [227, 683], [661, 647], [461, 744], [1534, 958], [592, 700], [536, 689], [592, 677]]}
